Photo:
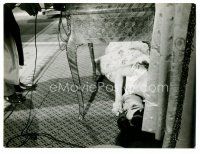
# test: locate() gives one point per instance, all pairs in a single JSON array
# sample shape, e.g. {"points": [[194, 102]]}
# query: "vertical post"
{"points": [[91, 49], [184, 29], [72, 60]]}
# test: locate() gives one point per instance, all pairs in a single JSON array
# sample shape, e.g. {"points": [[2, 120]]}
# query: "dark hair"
{"points": [[145, 64]]}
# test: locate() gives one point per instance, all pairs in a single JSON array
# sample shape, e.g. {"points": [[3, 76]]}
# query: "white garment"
{"points": [[11, 61], [124, 59], [137, 83], [120, 55]]}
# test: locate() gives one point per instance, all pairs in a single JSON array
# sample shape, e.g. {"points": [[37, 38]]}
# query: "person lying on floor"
{"points": [[130, 60]]}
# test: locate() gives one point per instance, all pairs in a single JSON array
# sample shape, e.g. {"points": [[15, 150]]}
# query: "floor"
{"points": [[54, 114]]}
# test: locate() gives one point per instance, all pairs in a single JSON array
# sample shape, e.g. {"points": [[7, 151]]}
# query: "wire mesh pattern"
{"points": [[58, 114], [102, 23], [122, 23]]}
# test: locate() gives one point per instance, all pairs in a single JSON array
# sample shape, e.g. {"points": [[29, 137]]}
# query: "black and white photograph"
{"points": [[99, 75]]}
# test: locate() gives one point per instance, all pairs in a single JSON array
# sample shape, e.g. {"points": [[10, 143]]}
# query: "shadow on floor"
{"points": [[135, 138], [56, 113]]}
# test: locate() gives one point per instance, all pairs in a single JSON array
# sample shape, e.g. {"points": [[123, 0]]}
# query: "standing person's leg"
{"points": [[11, 71], [8, 89]]}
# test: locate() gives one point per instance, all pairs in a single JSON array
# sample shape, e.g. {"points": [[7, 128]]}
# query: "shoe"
{"points": [[28, 87], [22, 85], [15, 98], [19, 89]]}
